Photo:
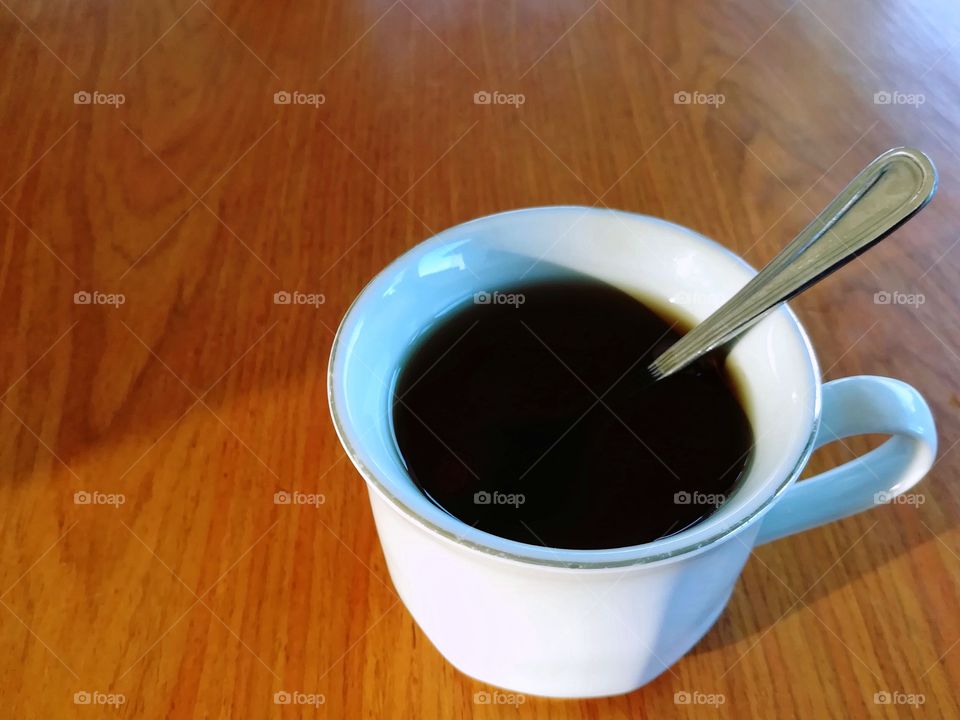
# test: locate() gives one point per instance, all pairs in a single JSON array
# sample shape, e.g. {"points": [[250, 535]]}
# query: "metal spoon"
{"points": [[886, 193]]}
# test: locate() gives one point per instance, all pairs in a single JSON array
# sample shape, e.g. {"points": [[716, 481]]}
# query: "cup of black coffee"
{"points": [[557, 522]]}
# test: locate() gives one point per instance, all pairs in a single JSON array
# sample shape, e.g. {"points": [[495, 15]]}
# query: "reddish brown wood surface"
{"points": [[198, 398]]}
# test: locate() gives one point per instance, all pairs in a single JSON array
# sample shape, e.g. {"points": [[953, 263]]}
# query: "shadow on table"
{"points": [[761, 599]]}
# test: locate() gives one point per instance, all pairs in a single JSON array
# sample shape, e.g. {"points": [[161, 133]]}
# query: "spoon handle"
{"points": [[886, 193]]}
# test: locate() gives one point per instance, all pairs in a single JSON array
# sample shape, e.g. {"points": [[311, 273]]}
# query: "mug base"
{"points": [[567, 692]]}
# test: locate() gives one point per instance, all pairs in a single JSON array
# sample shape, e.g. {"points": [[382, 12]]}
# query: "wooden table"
{"points": [[144, 433]]}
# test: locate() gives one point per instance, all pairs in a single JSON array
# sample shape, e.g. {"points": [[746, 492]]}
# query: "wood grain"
{"points": [[198, 398]]}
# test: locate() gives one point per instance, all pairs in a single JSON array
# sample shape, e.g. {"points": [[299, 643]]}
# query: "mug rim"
{"points": [[584, 557]]}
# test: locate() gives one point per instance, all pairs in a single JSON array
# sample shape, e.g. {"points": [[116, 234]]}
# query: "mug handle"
{"points": [[857, 406]]}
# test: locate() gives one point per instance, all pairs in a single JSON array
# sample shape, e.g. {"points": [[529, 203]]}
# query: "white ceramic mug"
{"points": [[582, 623]]}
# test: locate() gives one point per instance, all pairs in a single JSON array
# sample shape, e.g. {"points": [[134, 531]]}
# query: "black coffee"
{"points": [[529, 413]]}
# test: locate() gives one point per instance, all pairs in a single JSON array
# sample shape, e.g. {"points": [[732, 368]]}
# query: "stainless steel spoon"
{"points": [[886, 193]]}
